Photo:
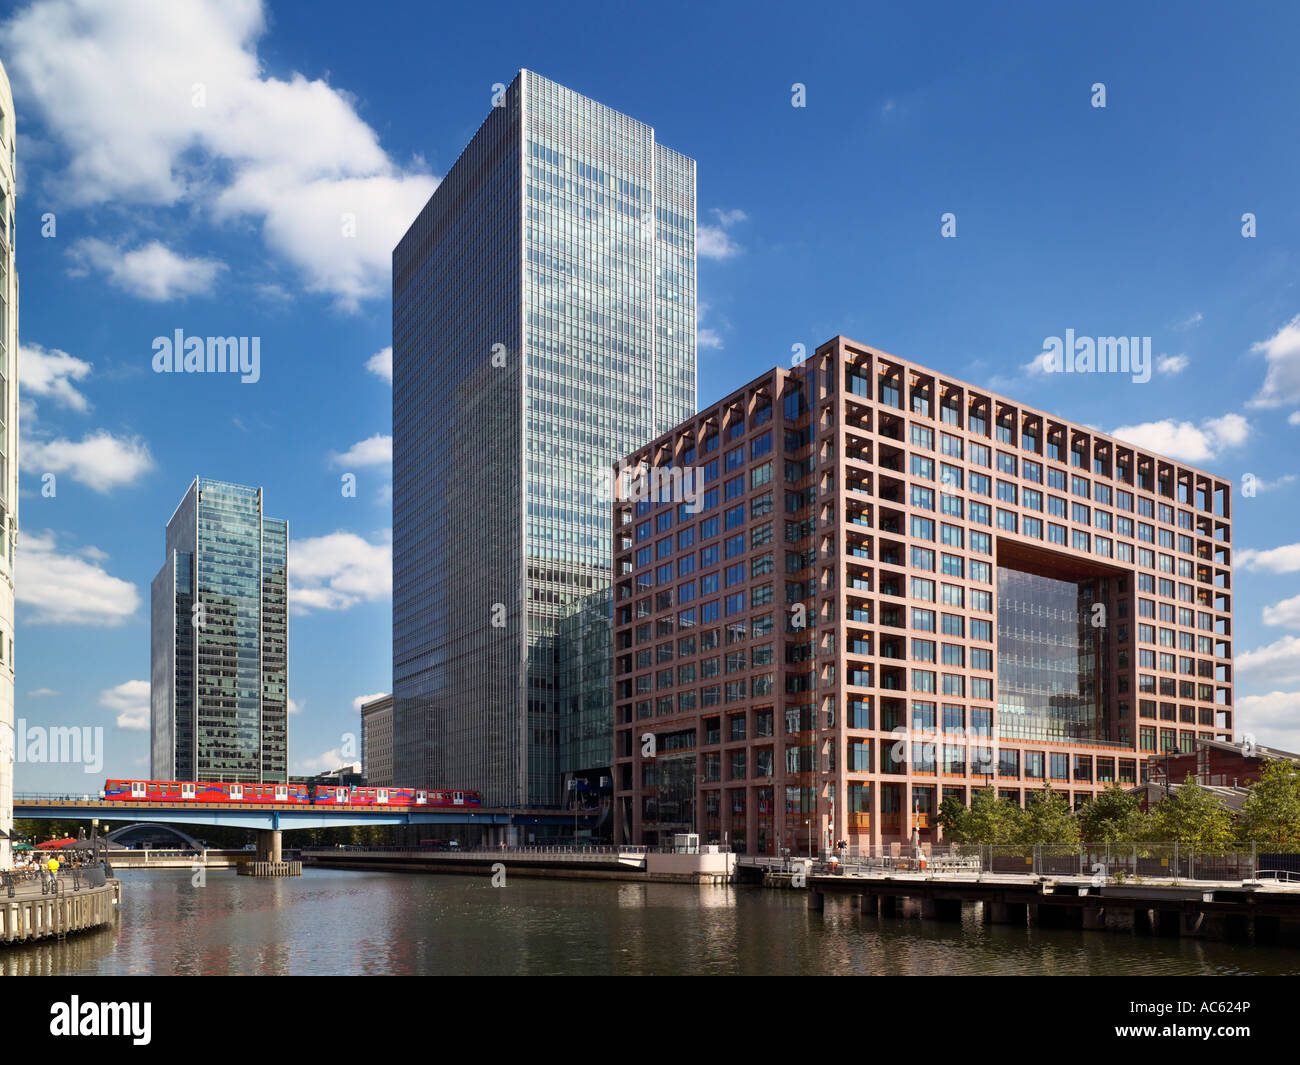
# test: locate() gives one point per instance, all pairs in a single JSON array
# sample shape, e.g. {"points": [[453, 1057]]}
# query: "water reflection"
{"points": [[339, 921]]}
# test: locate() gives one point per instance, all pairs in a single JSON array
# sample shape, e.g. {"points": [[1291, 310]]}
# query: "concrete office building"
{"points": [[898, 587], [8, 459], [220, 632], [377, 742], [543, 326]]}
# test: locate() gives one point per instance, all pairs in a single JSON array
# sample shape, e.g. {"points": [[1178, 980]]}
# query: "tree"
{"points": [[953, 819], [1048, 819], [1114, 816], [990, 819], [1194, 816], [1271, 813]]}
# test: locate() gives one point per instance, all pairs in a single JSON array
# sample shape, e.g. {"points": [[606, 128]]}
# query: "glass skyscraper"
{"points": [[543, 326], [219, 678]]}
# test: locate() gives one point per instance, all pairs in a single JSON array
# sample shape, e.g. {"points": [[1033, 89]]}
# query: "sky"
{"points": [[940, 183]]}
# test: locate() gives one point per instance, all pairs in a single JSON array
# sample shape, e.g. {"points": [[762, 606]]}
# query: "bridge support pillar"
{"points": [[1094, 918], [941, 909], [1005, 913], [816, 900], [268, 845], [889, 906]]}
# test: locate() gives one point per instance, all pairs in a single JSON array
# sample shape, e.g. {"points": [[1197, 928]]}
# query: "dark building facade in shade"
{"points": [[543, 326], [895, 586], [219, 641]]}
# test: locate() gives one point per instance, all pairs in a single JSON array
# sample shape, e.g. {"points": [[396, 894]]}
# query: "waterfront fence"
{"points": [[1113, 862]]}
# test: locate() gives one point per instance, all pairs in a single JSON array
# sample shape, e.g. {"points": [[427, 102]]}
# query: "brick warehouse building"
{"points": [[892, 586]]}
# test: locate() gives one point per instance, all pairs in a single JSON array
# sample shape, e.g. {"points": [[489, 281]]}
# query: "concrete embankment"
{"points": [[638, 867]]}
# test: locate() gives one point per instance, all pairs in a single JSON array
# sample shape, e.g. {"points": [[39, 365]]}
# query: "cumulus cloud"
{"points": [[1286, 613], [381, 364], [50, 374], [1274, 663], [1284, 559], [1189, 441], [715, 241], [295, 706], [151, 272], [1281, 351], [168, 105], [71, 588], [375, 450], [331, 759], [1273, 719], [131, 700], [99, 460], [1171, 364], [338, 571], [361, 700], [41, 693]]}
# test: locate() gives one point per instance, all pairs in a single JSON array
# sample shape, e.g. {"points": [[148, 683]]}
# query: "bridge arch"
{"points": [[183, 840]]}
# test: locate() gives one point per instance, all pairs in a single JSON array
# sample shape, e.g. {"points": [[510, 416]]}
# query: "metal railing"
{"points": [[1100, 862]]}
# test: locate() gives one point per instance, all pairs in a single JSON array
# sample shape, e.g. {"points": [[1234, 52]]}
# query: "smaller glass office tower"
{"points": [[219, 680]]}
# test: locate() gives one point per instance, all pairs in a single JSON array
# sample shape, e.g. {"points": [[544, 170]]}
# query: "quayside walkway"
{"points": [[75, 902]]}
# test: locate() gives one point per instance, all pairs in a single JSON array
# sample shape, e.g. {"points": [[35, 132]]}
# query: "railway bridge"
{"points": [[270, 819]]}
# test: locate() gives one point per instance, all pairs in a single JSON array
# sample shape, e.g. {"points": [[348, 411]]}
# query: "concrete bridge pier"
{"points": [[269, 845], [816, 900], [889, 906], [941, 909], [1014, 913], [1094, 918]]}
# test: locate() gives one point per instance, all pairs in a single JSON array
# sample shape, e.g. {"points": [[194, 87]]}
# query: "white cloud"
{"points": [[375, 450], [714, 242], [1187, 440], [1278, 482], [1274, 719], [99, 460], [1293, 418], [381, 364], [1286, 613], [331, 759], [361, 700], [131, 700], [152, 271], [168, 105], [296, 707], [338, 571], [50, 373], [1191, 321], [1282, 353], [41, 693], [66, 589], [1274, 663], [1284, 559], [708, 338], [1171, 364], [1039, 364]]}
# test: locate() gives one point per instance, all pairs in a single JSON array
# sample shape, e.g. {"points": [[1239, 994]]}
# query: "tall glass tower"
{"points": [[220, 673], [8, 460], [543, 326]]}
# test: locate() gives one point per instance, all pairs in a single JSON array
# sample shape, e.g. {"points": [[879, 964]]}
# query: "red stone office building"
{"points": [[889, 586]]}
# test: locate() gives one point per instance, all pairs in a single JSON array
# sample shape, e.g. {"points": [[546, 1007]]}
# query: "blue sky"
{"points": [[201, 162]]}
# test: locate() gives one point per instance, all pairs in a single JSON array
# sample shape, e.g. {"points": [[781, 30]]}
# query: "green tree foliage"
{"points": [[1114, 816], [990, 819], [1194, 816], [1047, 818], [1271, 814]]}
